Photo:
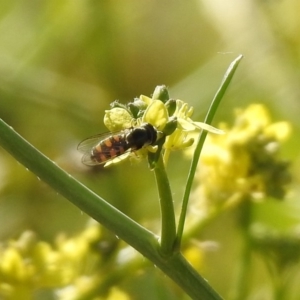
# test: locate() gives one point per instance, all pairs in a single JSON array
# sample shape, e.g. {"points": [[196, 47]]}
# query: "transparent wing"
{"points": [[87, 160], [89, 143]]}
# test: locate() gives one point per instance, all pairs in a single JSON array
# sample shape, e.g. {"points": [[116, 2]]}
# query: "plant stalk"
{"points": [[144, 241], [168, 225]]}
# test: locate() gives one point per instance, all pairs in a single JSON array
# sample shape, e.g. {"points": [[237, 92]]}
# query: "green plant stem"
{"points": [[168, 225], [144, 241], [208, 120], [241, 281], [281, 278], [279, 288]]}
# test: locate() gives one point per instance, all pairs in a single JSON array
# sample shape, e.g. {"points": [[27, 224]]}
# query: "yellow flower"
{"points": [[170, 118], [183, 136], [195, 256], [245, 160], [117, 119], [27, 264], [117, 294]]}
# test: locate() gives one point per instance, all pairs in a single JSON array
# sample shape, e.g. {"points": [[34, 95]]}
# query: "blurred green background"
{"points": [[63, 62]]}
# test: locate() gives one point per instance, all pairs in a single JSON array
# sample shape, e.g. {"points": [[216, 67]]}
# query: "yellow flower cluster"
{"points": [[28, 265], [244, 161], [171, 119]]}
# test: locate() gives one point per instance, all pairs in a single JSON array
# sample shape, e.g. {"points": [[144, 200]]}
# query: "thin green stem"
{"points": [[281, 278], [279, 288], [209, 117], [241, 282], [168, 224], [144, 241]]}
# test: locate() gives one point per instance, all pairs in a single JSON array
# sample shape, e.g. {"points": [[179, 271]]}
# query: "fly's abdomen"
{"points": [[109, 148]]}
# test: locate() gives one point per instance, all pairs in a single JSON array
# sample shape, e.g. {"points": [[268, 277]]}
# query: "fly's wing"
{"points": [[86, 147]]}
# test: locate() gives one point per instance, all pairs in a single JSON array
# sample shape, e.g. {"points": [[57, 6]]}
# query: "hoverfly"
{"points": [[102, 148]]}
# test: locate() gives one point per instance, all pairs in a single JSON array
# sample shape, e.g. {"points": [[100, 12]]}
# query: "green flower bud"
{"points": [[161, 93], [137, 107], [170, 126], [171, 106]]}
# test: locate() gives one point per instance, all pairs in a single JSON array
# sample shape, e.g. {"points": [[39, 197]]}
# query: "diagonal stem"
{"points": [[144, 241]]}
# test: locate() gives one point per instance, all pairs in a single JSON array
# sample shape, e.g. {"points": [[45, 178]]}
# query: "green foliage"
{"points": [[63, 63], [165, 255]]}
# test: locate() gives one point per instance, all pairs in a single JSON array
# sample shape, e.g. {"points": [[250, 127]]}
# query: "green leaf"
{"points": [[209, 117]]}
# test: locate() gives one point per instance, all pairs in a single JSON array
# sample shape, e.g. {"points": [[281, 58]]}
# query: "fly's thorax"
{"points": [[141, 136]]}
